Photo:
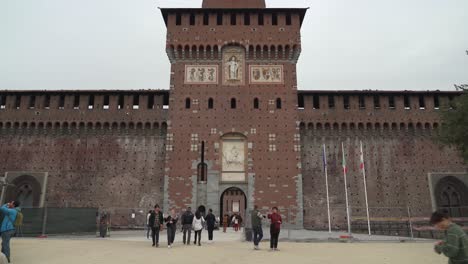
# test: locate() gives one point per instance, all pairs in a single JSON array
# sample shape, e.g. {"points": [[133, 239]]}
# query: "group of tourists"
{"points": [[189, 222]]}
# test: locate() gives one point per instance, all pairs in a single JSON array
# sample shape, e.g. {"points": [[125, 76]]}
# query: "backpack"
{"points": [[19, 220]]}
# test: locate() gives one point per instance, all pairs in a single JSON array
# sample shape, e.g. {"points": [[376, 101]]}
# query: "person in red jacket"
{"points": [[275, 228]]}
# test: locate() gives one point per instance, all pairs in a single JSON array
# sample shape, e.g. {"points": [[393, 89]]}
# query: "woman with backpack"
{"points": [[10, 212], [197, 224]]}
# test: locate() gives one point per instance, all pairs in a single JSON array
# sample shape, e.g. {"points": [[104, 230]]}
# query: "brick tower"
{"points": [[233, 137]]}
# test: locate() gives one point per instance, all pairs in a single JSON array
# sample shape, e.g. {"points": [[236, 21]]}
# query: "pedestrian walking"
{"points": [[210, 224], [235, 222], [257, 229], [455, 244], [275, 228], [156, 222], [187, 220], [10, 211], [225, 222], [148, 227], [171, 224], [198, 222]]}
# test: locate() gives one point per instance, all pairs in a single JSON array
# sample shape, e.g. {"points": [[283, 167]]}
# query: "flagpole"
{"points": [[346, 190], [365, 189], [326, 184]]}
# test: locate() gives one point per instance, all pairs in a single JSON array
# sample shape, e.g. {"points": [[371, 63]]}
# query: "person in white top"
{"points": [[148, 227], [197, 224]]}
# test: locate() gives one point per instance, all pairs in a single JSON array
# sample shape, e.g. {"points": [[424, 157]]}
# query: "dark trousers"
{"points": [[210, 233], [171, 230], [148, 230], [274, 233], [155, 235], [197, 234], [6, 236], [257, 234], [187, 229]]}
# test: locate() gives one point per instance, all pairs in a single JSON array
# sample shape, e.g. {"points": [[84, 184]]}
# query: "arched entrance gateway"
{"points": [[233, 201], [452, 195]]}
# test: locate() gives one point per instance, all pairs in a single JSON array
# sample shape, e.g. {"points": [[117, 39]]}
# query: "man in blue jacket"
{"points": [[7, 230]]}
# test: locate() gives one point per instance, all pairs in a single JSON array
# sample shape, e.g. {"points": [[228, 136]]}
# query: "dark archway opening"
{"points": [[233, 201], [26, 190], [451, 195]]}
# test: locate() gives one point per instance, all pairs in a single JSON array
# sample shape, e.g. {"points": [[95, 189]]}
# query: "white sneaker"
{"points": [[169, 246]]}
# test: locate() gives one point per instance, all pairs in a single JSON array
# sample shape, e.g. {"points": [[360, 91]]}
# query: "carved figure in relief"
{"points": [[211, 76], [256, 74], [233, 66], [201, 74], [193, 71], [276, 74]]}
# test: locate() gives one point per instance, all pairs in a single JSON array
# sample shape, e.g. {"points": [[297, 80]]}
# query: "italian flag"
{"points": [[345, 168], [362, 157]]}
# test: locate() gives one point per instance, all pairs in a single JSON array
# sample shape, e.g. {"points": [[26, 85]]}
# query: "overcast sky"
{"points": [[120, 44]]}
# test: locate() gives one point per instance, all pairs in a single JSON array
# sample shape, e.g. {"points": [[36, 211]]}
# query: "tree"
{"points": [[454, 129]]}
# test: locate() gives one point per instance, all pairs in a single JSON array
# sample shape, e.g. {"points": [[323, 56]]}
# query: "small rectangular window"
{"points": [[346, 102], [105, 105], [18, 102], [62, 102], [451, 102], [260, 20], [422, 102], [407, 102], [274, 19], [192, 20], [288, 20], [166, 101], [362, 102], [136, 102], [436, 101], [3, 101], [206, 19], [32, 102], [331, 101], [178, 20], [121, 102], [247, 19], [316, 101], [47, 101], [91, 102], [391, 102], [233, 19], [300, 101], [219, 19], [376, 102], [76, 102], [151, 101]]}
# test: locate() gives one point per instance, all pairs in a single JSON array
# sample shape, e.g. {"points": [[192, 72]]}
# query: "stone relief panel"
{"points": [[266, 74], [201, 74], [233, 163], [233, 66]]}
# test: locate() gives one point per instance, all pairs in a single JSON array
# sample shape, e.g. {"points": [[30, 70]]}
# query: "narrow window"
{"points": [[316, 101], [76, 102], [210, 103], [274, 19], [376, 102], [362, 102], [136, 102], [121, 103], [300, 101], [2, 101], [62, 102], [436, 101], [256, 103], [407, 102], [187, 103], [206, 19], [47, 102], [391, 102], [219, 19], [422, 102], [346, 102], [233, 19], [192, 19], [18, 102], [278, 103], [247, 19], [331, 101], [202, 167], [288, 20], [105, 105], [233, 103], [260, 19], [91, 102], [32, 102], [151, 101], [178, 19]]}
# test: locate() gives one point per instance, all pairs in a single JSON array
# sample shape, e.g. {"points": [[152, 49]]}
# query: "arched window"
{"points": [[187, 103], [256, 103], [233, 103], [210, 103], [202, 172], [278, 103]]}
